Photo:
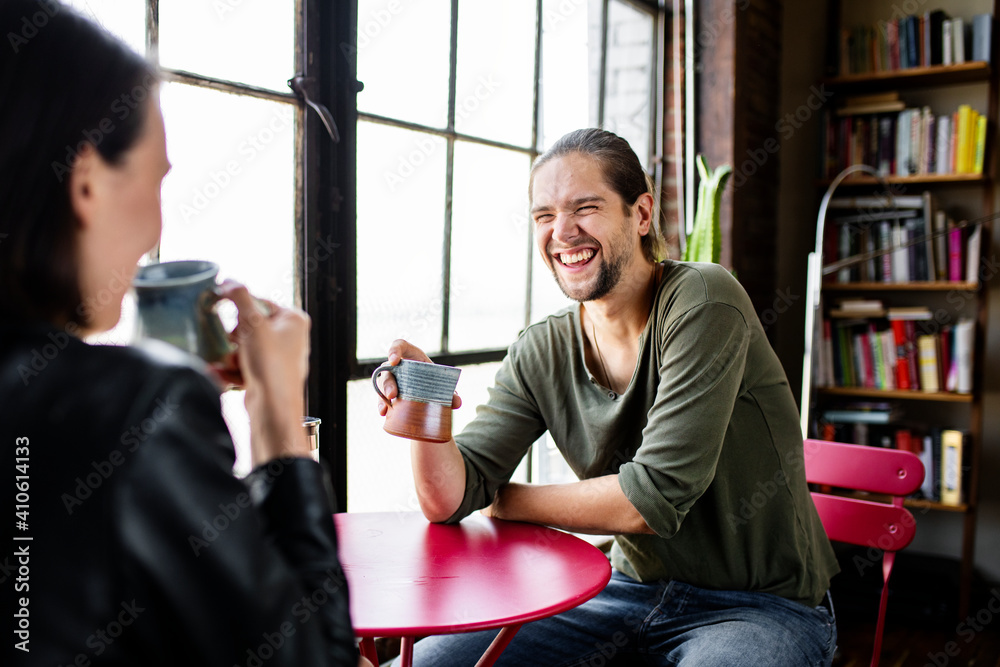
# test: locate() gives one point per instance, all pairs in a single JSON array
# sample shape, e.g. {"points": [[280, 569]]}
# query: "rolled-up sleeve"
{"points": [[702, 354]]}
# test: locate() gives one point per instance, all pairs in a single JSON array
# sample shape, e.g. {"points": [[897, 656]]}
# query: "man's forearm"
{"points": [[597, 506], [439, 477]]}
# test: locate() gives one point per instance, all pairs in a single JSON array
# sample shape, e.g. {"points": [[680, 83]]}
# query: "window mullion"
{"points": [[449, 179], [153, 30], [602, 75], [535, 111], [152, 53]]}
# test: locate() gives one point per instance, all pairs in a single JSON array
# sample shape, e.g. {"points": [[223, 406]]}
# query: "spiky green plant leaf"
{"points": [[705, 242]]}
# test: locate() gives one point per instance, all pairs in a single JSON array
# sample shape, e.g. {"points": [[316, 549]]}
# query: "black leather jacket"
{"points": [[144, 548]]}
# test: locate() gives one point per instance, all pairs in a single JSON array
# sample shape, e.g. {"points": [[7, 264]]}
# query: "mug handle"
{"points": [[384, 367]]}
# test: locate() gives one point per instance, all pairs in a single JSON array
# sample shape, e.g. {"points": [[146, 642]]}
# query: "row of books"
{"points": [[925, 40], [900, 349], [900, 141], [945, 453], [912, 241]]}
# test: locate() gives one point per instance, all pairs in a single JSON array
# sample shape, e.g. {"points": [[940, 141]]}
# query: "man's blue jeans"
{"points": [[631, 623]]}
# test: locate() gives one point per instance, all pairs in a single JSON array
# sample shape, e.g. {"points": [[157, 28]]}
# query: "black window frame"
{"points": [[330, 211]]}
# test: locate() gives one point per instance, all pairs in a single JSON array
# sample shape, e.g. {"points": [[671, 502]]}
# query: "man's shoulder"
{"points": [[694, 283], [555, 332], [559, 323]]}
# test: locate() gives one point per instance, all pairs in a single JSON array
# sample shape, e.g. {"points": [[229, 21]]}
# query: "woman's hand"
{"points": [[399, 350], [273, 360]]}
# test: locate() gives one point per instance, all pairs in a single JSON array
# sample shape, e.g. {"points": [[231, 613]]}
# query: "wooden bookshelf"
{"points": [[923, 286], [973, 194], [912, 77], [889, 394], [916, 179], [913, 503]]}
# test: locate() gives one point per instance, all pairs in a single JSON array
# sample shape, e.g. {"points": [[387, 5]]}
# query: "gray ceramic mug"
{"points": [[175, 303], [422, 407]]}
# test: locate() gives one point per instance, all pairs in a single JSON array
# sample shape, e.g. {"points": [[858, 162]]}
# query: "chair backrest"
{"points": [[887, 527]]}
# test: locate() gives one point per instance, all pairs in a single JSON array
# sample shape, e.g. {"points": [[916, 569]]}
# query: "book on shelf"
{"points": [[870, 104], [904, 141], [956, 267], [927, 345], [941, 245], [963, 335], [958, 40], [912, 240], [945, 365], [901, 342], [947, 50], [933, 37], [927, 230], [914, 40], [854, 308], [954, 466], [900, 254], [932, 442], [912, 354], [863, 412], [973, 248], [906, 354], [909, 313], [859, 353], [982, 27]]}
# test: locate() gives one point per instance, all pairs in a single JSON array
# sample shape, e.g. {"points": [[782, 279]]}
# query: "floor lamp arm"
{"points": [[814, 282]]}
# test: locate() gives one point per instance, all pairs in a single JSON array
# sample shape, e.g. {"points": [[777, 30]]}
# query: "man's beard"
{"points": [[609, 273]]}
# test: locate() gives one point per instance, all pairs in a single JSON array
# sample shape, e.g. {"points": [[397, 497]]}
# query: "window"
{"points": [[232, 194], [458, 100]]}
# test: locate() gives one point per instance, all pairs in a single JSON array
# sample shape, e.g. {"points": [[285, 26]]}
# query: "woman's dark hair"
{"points": [[622, 172], [64, 83]]}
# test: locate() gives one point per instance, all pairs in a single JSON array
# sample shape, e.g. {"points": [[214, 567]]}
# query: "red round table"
{"points": [[410, 578]]}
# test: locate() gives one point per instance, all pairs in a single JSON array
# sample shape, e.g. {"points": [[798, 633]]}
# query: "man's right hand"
{"points": [[438, 468], [401, 349]]}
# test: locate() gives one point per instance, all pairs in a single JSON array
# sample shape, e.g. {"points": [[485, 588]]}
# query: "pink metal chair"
{"points": [[880, 526]]}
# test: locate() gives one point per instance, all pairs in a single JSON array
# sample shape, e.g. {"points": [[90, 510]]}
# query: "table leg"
{"points": [[499, 644], [406, 652], [368, 650]]}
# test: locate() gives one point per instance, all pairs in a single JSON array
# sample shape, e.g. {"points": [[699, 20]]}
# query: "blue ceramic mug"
{"points": [[176, 304], [422, 407]]}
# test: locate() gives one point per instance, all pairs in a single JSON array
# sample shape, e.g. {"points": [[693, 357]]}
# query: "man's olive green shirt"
{"points": [[705, 440]]}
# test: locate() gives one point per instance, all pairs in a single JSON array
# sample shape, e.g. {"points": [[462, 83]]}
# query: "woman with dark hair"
{"points": [[135, 544]]}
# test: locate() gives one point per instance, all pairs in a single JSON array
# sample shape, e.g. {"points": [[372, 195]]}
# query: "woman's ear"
{"points": [[83, 186]]}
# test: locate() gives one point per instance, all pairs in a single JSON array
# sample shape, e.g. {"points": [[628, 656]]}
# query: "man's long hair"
{"points": [[622, 171]]}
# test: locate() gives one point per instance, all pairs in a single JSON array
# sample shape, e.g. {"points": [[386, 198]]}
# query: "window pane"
{"points": [[248, 42], [125, 19], [496, 70], [378, 464], [489, 258], [230, 198], [400, 229], [571, 68], [403, 55], [628, 93], [550, 466]]}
